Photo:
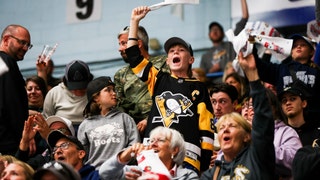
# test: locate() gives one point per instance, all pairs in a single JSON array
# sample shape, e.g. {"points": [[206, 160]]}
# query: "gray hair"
{"points": [[142, 35], [176, 141]]}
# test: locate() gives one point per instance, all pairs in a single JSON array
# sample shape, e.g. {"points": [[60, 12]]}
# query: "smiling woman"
{"points": [[36, 91], [166, 144]]}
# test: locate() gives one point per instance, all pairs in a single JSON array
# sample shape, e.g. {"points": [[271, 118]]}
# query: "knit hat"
{"points": [[306, 39], [56, 135], [60, 169], [77, 75], [176, 40], [65, 121]]}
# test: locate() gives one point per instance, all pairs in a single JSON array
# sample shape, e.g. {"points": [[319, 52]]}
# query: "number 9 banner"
{"points": [[83, 10]]}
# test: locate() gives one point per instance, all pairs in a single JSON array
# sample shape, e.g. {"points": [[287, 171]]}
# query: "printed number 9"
{"points": [[88, 4]]}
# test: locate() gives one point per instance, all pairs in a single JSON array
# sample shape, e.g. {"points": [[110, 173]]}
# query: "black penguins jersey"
{"points": [[182, 104]]}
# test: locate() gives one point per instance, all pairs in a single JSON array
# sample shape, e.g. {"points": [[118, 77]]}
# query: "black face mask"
{"points": [[126, 60]]}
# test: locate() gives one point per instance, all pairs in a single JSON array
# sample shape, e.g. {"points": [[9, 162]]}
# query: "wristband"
{"points": [[132, 39]]}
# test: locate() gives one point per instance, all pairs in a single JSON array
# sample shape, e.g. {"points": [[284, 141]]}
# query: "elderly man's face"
{"points": [[68, 152]]}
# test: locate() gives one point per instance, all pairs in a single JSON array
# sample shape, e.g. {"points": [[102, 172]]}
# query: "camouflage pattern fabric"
{"points": [[133, 94]]}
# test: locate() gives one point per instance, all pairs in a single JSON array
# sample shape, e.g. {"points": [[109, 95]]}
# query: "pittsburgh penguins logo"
{"points": [[171, 107]]}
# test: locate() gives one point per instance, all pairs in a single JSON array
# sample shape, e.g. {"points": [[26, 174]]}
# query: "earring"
{"points": [[172, 156]]}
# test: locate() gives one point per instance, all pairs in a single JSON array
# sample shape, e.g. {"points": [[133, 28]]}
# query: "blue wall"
{"points": [[97, 40]]}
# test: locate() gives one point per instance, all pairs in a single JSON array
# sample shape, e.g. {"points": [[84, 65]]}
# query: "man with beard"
{"points": [[221, 52], [134, 97], [15, 42]]}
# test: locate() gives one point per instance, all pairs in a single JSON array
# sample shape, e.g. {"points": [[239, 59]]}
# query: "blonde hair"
{"points": [[199, 74], [238, 119], [28, 170], [8, 158], [226, 69]]}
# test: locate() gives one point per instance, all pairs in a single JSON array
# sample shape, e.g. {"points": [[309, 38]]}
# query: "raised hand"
{"points": [[139, 13], [28, 134], [41, 126], [248, 65]]}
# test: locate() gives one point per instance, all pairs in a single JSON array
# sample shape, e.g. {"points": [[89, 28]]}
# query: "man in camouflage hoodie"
{"points": [[134, 97]]}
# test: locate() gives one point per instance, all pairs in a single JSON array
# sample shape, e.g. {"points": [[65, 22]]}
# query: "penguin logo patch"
{"points": [[171, 107]]}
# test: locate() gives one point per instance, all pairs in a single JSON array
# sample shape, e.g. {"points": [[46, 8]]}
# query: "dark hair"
{"points": [[276, 106], [220, 28], [93, 108], [226, 88], [40, 82]]}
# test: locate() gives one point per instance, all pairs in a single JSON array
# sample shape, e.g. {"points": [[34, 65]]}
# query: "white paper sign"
{"points": [[83, 11], [149, 162], [170, 2], [313, 30], [263, 34]]}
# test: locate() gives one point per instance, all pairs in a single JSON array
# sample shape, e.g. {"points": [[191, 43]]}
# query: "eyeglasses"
{"points": [[154, 140], [63, 146], [22, 42], [247, 105], [126, 28]]}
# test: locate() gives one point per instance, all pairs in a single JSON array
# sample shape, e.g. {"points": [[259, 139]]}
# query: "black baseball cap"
{"points": [[95, 86], [306, 39], [176, 40], [77, 75], [297, 88], [56, 135]]}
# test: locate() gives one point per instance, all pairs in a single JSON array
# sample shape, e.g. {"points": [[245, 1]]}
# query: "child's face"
{"points": [[179, 60], [107, 97]]}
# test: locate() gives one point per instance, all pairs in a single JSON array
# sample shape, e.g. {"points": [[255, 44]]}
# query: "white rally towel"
{"points": [[263, 34], [313, 30], [152, 166], [3, 67], [171, 2]]}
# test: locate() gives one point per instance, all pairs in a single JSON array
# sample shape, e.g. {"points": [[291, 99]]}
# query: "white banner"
{"points": [[170, 2], [79, 11]]}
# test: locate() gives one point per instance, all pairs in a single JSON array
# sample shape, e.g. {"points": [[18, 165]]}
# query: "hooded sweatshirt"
{"points": [[104, 136], [256, 160]]}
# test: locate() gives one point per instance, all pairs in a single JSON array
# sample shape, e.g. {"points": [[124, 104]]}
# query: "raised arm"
{"points": [[244, 8], [262, 148], [244, 19], [136, 15]]}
